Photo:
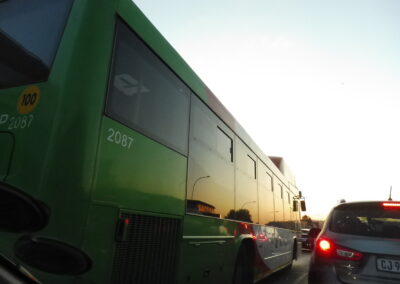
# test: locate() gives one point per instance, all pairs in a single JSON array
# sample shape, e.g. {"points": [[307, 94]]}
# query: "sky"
{"points": [[316, 82]]}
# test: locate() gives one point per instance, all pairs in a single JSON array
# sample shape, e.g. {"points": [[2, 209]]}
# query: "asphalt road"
{"points": [[297, 275]]}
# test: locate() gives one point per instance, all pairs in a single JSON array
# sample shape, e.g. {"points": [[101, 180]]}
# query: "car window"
{"points": [[364, 219]]}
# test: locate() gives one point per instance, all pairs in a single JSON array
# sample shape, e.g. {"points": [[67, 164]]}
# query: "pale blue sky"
{"points": [[316, 82]]}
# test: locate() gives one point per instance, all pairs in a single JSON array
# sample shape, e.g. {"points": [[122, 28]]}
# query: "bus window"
{"points": [[30, 32], [287, 209], [145, 94], [246, 185], [251, 167], [265, 196], [279, 204], [210, 189], [225, 145]]}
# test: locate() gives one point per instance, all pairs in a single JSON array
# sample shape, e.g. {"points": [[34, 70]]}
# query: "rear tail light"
{"points": [[391, 205], [324, 247], [327, 248]]}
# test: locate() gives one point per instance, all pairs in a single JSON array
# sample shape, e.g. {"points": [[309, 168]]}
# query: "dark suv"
{"points": [[360, 243], [312, 235]]}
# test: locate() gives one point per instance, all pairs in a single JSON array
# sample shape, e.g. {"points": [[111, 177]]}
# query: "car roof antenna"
{"points": [[390, 194]]}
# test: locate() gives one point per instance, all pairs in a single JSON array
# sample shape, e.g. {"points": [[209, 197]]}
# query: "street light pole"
{"points": [[194, 184]]}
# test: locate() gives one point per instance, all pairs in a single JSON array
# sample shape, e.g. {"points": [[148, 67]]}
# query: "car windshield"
{"points": [[29, 35], [366, 219]]}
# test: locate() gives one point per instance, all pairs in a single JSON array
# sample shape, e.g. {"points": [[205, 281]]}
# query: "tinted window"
{"points": [[246, 203], [251, 167], [145, 95], [289, 224], [30, 32], [265, 197], [367, 220], [279, 206], [210, 187], [225, 145]]}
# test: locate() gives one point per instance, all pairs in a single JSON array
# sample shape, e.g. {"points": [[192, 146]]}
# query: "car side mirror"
{"points": [[295, 206], [303, 205]]}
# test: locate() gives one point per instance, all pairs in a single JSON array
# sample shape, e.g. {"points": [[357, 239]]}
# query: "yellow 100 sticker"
{"points": [[28, 100]]}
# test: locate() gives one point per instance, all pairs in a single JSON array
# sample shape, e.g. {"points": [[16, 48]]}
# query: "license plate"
{"points": [[387, 264]]}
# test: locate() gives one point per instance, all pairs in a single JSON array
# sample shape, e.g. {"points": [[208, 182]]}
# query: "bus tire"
{"points": [[243, 273]]}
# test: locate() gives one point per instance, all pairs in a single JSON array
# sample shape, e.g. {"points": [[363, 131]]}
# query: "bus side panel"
{"points": [[285, 245], [99, 242], [134, 172], [207, 250]]}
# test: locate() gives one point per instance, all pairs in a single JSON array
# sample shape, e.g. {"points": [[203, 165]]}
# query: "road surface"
{"points": [[297, 275]]}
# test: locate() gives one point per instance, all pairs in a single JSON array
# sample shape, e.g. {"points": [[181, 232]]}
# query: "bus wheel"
{"points": [[243, 273]]}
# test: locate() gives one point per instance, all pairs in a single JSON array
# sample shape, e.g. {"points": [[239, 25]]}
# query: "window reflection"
{"points": [[240, 215], [266, 196], [279, 209], [224, 145], [227, 180], [197, 206], [246, 183], [210, 189]]}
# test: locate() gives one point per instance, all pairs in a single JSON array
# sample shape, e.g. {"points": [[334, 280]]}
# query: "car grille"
{"points": [[148, 253]]}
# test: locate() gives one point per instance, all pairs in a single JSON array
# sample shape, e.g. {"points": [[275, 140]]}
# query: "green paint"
{"points": [[144, 175]]}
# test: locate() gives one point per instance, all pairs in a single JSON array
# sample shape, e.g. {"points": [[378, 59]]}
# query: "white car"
{"points": [[360, 243]]}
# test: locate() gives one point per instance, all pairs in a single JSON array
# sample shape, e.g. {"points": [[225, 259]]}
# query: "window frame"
{"points": [[230, 138], [255, 166]]}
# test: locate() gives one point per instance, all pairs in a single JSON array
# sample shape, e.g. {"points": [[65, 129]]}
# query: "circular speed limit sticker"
{"points": [[28, 100]]}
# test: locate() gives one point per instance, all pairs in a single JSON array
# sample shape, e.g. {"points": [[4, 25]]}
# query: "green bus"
{"points": [[119, 165]]}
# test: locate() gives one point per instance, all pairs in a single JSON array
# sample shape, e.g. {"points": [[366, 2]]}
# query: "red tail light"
{"points": [[391, 205], [324, 247], [327, 248]]}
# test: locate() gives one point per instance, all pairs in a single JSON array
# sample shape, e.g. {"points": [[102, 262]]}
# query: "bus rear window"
{"points": [[30, 32], [366, 219]]}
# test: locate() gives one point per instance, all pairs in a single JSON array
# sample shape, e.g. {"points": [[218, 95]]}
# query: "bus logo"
{"points": [[28, 100], [128, 85]]}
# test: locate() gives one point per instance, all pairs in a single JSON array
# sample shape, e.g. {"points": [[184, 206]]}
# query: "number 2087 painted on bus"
{"points": [[115, 136]]}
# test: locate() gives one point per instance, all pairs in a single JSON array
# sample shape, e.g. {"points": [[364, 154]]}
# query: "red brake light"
{"points": [[324, 247], [391, 204], [327, 248]]}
